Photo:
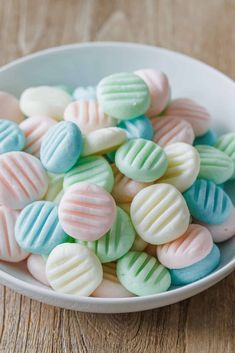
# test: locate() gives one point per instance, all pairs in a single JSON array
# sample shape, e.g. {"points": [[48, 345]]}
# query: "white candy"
{"points": [[36, 265]]}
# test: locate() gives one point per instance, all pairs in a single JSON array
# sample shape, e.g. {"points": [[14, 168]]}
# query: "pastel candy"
{"points": [[141, 160], [214, 164], [142, 274], [192, 112], [198, 270], [55, 186], [110, 286], [103, 140], [208, 202], [37, 228], [123, 95], [9, 108], [34, 129], [159, 89], [183, 166], [36, 265], [169, 130], [9, 249], [22, 179], [193, 246], [73, 269], [11, 137], [87, 211], [117, 242], [139, 244], [44, 100], [85, 93], [159, 214], [226, 144], [61, 147], [88, 116], [91, 169], [209, 138], [139, 127]]}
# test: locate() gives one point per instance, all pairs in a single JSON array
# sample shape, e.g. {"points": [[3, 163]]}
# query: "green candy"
{"points": [[226, 144], [141, 160], [116, 242], [142, 274]]}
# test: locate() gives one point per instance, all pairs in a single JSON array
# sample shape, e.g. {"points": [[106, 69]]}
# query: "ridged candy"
{"points": [[55, 187], [11, 137], [226, 144], [36, 265], [87, 93], [10, 108], [139, 127]]}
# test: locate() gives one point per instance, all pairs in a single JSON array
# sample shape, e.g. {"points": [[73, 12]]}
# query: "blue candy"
{"points": [[11, 137], [139, 127], [209, 138], [38, 230], [198, 270], [86, 93], [208, 202], [61, 147]]}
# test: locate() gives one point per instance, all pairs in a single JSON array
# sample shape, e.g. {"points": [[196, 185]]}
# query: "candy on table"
{"points": [[10, 108], [88, 116], [55, 186], [198, 270], [209, 138], [226, 144], [22, 179], [159, 89], [169, 130], [61, 147], [151, 249], [73, 269], [193, 246], [36, 265], [103, 140], [139, 244], [11, 136], [183, 166], [44, 100], [192, 112], [117, 242], [85, 93], [123, 95], [91, 169], [208, 202], [139, 127], [87, 211], [9, 249], [110, 286], [37, 228], [159, 214], [141, 160], [34, 128], [142, 274]]}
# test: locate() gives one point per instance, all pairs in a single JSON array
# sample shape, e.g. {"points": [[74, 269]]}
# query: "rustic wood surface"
{"points": [[203, 29]]}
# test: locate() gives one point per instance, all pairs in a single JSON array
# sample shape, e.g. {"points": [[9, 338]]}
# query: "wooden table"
{"points": [[203, 29]]}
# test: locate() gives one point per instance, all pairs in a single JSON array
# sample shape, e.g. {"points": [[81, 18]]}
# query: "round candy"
{"points": [[103, 140], [73, 269], [110, 287], [11, 137], [9, 108], [198, 270], [88, 116], [22, 179], [123, 95], [169, 130], [61, 147], [36, 265], [207, 202], [87, 211], [183, 166], [226, 144], [55, 187], [142, 274], [85, 93], [195, 244], [214, 164], [159, 214], [44, 100], [141, 160], [209, 138], [139, 127], [159, 89], [92, 169], [192, 112], [37, 228], [139, 244], [9, 249], [34, 129]]}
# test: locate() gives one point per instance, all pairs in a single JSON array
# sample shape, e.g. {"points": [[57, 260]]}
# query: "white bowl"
{"points": [[86, 64]]}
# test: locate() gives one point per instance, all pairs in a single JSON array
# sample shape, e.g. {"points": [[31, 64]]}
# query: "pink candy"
{"points": [[9, 108]]}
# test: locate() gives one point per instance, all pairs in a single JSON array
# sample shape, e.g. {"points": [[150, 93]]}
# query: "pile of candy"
{"points": [[113, 191]]}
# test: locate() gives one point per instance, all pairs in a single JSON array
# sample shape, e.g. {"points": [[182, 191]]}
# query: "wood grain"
{"points": [[203, 29]]}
